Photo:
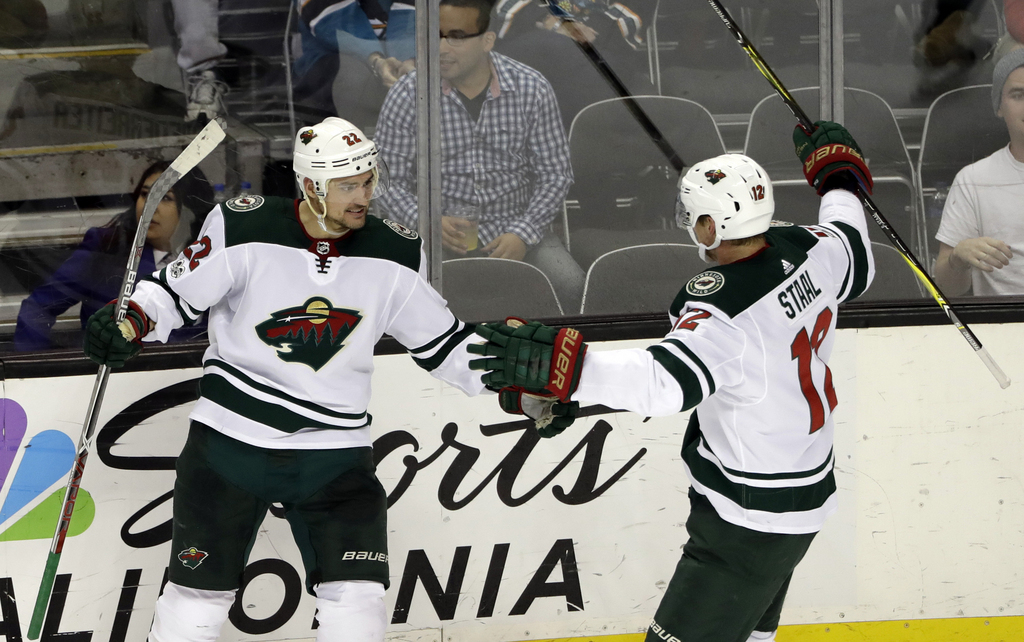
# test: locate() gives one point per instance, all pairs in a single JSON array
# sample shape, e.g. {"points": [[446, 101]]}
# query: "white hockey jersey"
{"points": [[293, 322], [749, 349]]}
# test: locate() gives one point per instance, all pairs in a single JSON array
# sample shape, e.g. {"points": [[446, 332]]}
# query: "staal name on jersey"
{"points": [[798, 294]]}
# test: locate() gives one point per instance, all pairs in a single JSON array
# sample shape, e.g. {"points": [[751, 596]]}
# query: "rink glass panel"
{"points": [[91, 98]]}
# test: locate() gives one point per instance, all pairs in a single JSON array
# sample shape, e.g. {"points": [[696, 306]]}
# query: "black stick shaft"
{"points": [[602, 66]]}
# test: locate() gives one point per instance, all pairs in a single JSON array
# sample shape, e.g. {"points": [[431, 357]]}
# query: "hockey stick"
{"points": [[602, 66], [197, 150], [869, 205]]}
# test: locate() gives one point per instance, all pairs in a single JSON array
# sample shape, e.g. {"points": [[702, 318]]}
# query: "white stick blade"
{"points": [[199, 148]]}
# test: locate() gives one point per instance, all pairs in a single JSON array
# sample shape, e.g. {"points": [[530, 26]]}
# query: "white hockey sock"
{"points": [[190, 615], [350, 611], [762, 636]]}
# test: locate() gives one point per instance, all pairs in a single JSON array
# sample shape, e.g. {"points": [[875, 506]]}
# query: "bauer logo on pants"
{"points": [[192, 557], [369, 556]]}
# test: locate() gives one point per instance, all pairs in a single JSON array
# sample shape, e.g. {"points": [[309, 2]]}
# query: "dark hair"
{"points": [[483, 8], [192, 191]]}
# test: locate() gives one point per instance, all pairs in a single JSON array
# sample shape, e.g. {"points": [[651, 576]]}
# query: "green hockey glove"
{"points": [[112, 344], [549, 415], [532, 356], [827, 150]]}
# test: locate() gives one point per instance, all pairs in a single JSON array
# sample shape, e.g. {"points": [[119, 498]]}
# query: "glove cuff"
{"points": [[566, 363], [509, 400], [137, 321], [832, 153]]}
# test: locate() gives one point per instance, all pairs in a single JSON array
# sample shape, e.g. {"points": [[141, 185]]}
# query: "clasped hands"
{"points": [[534, 368]]}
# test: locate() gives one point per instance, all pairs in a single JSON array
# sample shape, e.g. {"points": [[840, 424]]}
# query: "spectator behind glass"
{"points": [[199, 51], [364, 45], [981, 236], [101, 100], [93, 273], [949, 46], [541, 34], [1013, 11], [503, 150]]}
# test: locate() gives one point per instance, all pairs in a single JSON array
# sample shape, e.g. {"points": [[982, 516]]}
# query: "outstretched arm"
{"points": [[685, 368]]}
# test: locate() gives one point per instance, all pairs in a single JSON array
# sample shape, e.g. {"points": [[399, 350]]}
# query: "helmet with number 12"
{"points": [[734, 191]]}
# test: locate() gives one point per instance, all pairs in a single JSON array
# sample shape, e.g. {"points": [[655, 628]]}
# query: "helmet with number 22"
{"points": [[335, 148]]}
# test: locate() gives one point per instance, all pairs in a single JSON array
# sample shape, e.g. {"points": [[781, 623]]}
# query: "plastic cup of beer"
{"points": [[471, 214]]}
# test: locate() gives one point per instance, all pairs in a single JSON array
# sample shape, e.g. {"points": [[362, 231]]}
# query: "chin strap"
{"points": [[321, 216], [702, 250]]}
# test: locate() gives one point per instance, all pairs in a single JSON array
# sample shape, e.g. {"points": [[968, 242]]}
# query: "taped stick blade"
{"points": [[199, 148]]}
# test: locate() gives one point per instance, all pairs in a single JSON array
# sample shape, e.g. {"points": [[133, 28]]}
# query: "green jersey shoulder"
{"points": [[275, 220], [735, 287], [384, 239], [262, 219]]}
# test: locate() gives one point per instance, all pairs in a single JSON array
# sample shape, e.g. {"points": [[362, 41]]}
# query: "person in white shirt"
{"points": [[981, 236]]}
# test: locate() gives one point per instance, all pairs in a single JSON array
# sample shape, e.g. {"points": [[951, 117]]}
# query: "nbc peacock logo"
{"points": [[32, 477]]}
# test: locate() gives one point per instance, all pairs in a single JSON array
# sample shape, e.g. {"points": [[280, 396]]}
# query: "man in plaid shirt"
{"points": [[503, 150]]}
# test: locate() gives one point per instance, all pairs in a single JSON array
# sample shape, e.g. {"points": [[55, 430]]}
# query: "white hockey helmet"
{"points": [[734, 191], [335, 148]]}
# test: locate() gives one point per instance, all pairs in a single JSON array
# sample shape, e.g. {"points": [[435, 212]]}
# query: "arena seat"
{"points": [[471, 286], [639, 279]]}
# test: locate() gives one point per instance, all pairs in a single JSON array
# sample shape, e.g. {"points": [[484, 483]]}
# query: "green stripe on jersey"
{"points": [[700, 364], [269, 390], [179, 303], [772, 476], [859, 265], [220, 391], [438, 358], [435, 342], [687, 379], [770, 500]]}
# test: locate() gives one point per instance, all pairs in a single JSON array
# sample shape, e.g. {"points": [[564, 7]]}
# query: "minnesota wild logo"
{"points": [[307, 136], [192, 557], [714, 175], [311, 333]]}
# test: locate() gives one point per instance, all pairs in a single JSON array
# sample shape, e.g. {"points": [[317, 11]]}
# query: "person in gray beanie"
{"points": [[981, 236], [1007, 65]]}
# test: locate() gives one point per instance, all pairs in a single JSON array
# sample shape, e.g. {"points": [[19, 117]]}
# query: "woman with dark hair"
{"points": [[93, 273]]}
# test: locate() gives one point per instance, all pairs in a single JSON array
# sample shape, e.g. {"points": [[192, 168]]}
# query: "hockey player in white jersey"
{"points": [[748, 352], [298, 294]]}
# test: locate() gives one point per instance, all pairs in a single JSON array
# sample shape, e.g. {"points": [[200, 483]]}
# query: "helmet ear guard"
{"points": [[734, 191]]}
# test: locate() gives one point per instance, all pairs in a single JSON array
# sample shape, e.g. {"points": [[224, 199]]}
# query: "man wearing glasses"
{"points": [[503, 151]]}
